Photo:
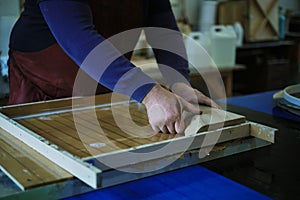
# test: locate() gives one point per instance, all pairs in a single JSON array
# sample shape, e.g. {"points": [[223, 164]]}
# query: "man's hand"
{"points": [[192, 95], [165, 109]]}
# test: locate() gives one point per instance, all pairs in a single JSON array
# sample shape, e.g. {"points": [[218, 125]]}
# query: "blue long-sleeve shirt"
{"points": [[71, 24]]}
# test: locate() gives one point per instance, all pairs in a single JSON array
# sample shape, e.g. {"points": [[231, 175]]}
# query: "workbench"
{"points": [[269, 172]]}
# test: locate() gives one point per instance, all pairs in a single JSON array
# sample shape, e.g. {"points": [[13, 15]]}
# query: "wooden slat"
{"points": [[26, 167]]}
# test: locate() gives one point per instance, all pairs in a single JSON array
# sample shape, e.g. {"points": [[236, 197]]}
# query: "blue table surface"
{"points": [[262, 102], [193, 182]]}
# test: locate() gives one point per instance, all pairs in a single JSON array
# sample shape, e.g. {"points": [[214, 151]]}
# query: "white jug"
{"points": [[198, 48], [223, 45]]}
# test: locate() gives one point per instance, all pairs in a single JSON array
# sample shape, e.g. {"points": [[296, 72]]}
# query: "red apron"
{"points": [[50, 73]]}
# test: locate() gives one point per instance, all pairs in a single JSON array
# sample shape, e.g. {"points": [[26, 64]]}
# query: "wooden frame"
{"points": [[88, 169]]}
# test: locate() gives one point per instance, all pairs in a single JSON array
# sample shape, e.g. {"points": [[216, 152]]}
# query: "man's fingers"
{"points": [[179, 125], [206, 100], [190, 107], [156, 129], [164, 129], [215, 105], [171, 127]]}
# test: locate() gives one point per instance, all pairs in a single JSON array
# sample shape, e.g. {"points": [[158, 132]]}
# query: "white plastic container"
{"points": [[223, 45], [202, 39], [198, 48]]}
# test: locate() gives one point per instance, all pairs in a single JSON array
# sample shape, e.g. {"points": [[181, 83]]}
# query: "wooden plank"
{"points": [[84, 171], [26, 167]]}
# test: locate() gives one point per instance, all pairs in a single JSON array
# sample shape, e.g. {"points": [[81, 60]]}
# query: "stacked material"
{"points": [[289, 99]]}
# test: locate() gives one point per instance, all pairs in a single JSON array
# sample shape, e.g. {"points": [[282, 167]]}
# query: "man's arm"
{"points": [[167, 42], [70, 21], [169, 49]]}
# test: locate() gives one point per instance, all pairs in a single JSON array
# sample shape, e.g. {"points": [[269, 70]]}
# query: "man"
{"points": [[53, 38]]}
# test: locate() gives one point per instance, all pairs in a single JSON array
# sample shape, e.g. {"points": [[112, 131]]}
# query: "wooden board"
{"points": [[26, 167], [49, 128]]}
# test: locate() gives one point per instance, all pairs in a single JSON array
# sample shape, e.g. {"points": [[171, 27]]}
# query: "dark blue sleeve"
{"points": [[70, 21], [160, 15]]}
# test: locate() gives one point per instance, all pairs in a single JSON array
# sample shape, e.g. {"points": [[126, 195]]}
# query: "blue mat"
{"points": [[193, 182], [262, 102]]}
